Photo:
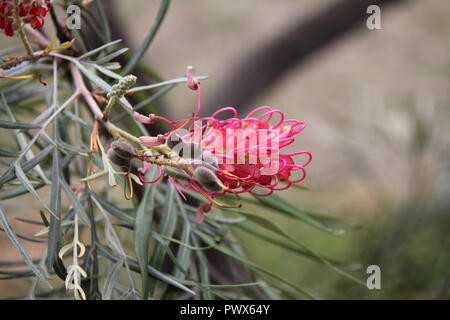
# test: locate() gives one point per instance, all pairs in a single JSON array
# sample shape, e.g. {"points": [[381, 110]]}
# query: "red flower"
{"points": [[31, 12]]}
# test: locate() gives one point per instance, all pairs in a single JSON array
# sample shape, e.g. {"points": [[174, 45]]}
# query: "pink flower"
{"points": [[152, 141], [249, 150], [235, 155]]}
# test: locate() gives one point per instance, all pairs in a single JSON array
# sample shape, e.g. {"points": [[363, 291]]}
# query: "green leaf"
{"points": [[9, 154], [114, 210], [52, 45], [65, 45], [203, 271], [99, 49], [225, 250], [265, 236], [22, 177], [55, 233], [10, 174], [142, 229], [265, 223], [154, 272], [166, 227], [111, 56], [278, 203], [111, 279], [107, 72], [19, 191], [184, 252], [76, 204], [26, 258], [18, 125], [104, 19]]}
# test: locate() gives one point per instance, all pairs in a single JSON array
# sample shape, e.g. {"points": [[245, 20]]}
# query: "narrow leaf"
{"points": [[11, 235], [142, 229]]}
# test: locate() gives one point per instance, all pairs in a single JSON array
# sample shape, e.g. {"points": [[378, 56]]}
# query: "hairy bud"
{"points": [[112, 155], [123, 150], [119, 89], [176, 173], [120, 153], [207, 179], [152, 141], [189, 150], [209, 158]]}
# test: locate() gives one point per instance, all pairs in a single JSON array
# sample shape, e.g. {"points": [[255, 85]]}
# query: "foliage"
{"points": [[98, 246]]}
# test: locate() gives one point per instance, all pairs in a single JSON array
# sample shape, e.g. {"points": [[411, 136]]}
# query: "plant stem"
{"points": [[22, 34], [108, 108], [25, 41]]}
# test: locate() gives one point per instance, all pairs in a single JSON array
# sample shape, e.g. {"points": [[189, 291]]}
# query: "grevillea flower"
{"points": [[235, 155], [30, 12]]}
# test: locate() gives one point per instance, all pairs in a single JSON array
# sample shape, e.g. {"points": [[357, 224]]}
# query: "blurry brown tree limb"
{"points": [[260, 67]]}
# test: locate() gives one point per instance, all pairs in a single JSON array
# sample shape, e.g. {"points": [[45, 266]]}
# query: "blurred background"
{"points": [[377, 106]]}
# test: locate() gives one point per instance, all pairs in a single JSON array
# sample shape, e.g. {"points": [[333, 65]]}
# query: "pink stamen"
{"points": [[176, 188], [141, 176], [238, 145]]}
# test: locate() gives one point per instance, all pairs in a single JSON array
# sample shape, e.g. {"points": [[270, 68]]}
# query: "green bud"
{"points": [[124, 84], [207, 179]]}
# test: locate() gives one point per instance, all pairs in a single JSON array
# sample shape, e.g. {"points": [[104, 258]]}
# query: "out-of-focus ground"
{"points": [[377, 106]]}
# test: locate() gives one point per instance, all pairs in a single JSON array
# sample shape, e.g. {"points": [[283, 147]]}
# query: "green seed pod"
{"points": [[207, 179], [176, 173]]}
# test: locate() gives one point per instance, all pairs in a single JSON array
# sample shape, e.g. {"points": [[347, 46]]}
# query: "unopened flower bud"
{"points": [[209, 158], [191, 82], [208, 179], [143, 119], [123, 150], [120, 153], [176, 173], [119, 89], [152, 141]]}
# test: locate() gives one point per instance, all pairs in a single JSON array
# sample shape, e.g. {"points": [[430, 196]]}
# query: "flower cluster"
{"points": [[248, 150], [214, 156], [13, 13]]}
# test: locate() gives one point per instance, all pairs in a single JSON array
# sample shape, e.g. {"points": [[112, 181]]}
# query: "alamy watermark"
{"points": [[73, 17], [374, 20], [374, 280]]}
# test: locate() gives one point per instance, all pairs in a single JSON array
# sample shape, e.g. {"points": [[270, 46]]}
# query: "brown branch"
{"points": [[262, 66]]}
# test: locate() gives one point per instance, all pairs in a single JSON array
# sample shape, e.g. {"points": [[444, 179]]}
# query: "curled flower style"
{"points": [[249, 150], [31, 12], [215, 156]]}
